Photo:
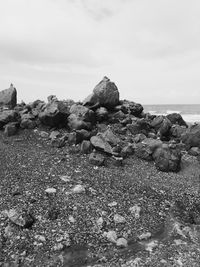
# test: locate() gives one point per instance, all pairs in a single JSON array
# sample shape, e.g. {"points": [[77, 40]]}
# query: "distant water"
{"points": [[190, 113]]}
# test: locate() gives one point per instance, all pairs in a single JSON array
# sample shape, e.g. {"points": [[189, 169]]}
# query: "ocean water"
{"points": [[190, 113]]}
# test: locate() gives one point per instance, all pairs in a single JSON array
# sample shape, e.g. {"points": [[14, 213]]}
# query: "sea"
{"points": [[190, 113]]}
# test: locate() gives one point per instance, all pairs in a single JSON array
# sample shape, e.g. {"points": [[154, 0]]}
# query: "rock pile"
{"points": [[104, 126]]}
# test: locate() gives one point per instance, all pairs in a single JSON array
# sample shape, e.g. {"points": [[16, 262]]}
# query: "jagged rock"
{"points": [[116, 117], [127, 151], [105, 94], [167, 158], [139, 137], [8, 97], [122, 242], [162, 125], [194, 151], [176, 118], [131, 108], [99, 142], [86, 147], [96, 159], [27, 121], [58, 142], [192, 136], [110, 137], [54, 114], [101, 114], [76, 137], [126, 121], [76, 123], [10, 129], [177, 131], [21, 218], [7, 116], [146, 148], [54, 135], [139, 126]]}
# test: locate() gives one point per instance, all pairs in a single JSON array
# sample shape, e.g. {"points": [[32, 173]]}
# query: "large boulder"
{"points": [[162, 125], [100, 143], [192, 136], [8, 97], [146, 148], [167, 158], [176, 118], [7, 116], [105, 94], [81, 117], [54, 114]]}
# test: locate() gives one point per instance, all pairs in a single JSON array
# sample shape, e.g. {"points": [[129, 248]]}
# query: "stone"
{"points": [[146, 148], [10, 129], [58, 142], [83, 113], [96, 159], [110, 137], [177, 131], [76, 123], [7, 116], [27, 121], [119, 219], [116, 117], [21, 218], [132, 108], [54, 114], [111, 236], [194, 151], [54, 135], [101, 114], [127, 151], [51, 190], [76, 137], [162, 125], [78, 189], [99, 142], [139, 126], [122, 242], [167, 159], [191, 138], [86, 147], [135, 211], [105, 94], [8, 97], [177, 119]]}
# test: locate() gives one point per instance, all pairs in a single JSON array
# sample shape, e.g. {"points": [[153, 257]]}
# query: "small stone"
{"points": [[100, 222], [65, 178], [40, 238], [96, 159], [122, 242], [119, 219], [50, 190], [54, 134], [71, 219], [58, 247], [20, 218], [111, 236], [43, 134], [112, 204], [78, 189], [144, 236], [135, 210]]}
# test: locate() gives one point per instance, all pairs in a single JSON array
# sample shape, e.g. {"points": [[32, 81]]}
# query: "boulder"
{"points": [[27, 121], [167, 158], [86, 147], [101, 114], [132, 108], [176, 118], [110, 137], [96, 159], [76, 137], [177, 131], [99, 142], [7, 116], [194, 151], [105, 94], [162, 125], [191, 137], [10, 129], [146, 148], [139, 126], [58, 142], [8, 97], [54, 114]]}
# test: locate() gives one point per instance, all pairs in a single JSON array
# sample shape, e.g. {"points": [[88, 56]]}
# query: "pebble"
{"points": [[112, 204], [135, 210], [40, 238], [100, 222], [122, 242], [119, 219], [144, 236], [50, 190], [65, 178], [78, 189], [71, 219], [111, 236]]}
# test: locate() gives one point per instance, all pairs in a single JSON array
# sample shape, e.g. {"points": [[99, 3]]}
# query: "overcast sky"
{"points": [[150, 49]]}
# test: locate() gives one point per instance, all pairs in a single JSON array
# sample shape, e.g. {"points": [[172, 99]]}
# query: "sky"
{"points": [[150, 49]]}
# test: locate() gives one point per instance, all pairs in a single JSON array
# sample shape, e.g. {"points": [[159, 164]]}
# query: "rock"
{"points": [[10, 129], [50, 190], [21, 218], [86, 147], [58, 142], [194, 151], [105, 94], [139, 138], [101, 114], [99, 142], [27, 121], [54, 134], [122, 242], [78, 189], [96, 159], [116, 117], [162, 125], [83, 113], [78, 136], [54, 114], [43, 134], [119, 219], [144, 236], [177, 131], [7, 116], [8, 97], [146, 148], [139, 126], [167, 159], [76, 123], [192, 136], [127, 150], [117, 161], [111, 236], [135, 210], [110, 137], [176, 118], [132, 108]]}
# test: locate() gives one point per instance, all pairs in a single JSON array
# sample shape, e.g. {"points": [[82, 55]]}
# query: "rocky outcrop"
{"points": [[7, 116], [192, 136], [105, 94], [8, 97], [176, 118]]}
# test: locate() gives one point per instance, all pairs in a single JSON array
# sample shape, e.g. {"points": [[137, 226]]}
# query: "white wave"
{"points": [[192, 118], [172, 111]]}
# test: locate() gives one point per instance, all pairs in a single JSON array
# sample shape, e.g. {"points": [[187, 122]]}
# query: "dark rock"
{"points": [[126, 121], [116, 117], [86, 147], [54, 114], [177, 131], [76, 123], [194, 151], [8, 97], [10, 129], [146, 148], [99, 142], [54, 135], [176, 118], [167, 159], [162, 125], [116, 161], [7, 116], [139, 138], [27, 121], [101, 114], [192, 136], [96, 158], [139, 126], [110, 137], [151, 135], [78, 136], [132, 108], [21, 218], [127, 151], [58, 142], [105, 94]]}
